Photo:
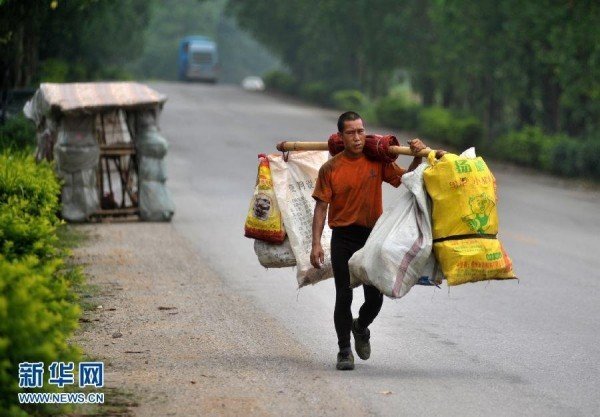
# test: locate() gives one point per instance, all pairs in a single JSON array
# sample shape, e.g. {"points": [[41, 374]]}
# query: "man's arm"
{"points": [[414, 164], [317, 256], [416, 145]]}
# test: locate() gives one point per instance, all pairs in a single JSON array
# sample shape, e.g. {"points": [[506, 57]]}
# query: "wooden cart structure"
{"points": [[107, 148]]}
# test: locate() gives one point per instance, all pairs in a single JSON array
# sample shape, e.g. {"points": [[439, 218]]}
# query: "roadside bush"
{"points": [[36, 184], [368, 113], [106, 73], [564, 157], [17, 133], [442, 125], [37, 315], [281, 81], [59, 71], [559, 154], [398, 112], [316, 92], [54, 71], [349, 100], [28, 206], [529, 147], [590, 158], [435, 124], [22, 233], [466, 132], [572, 157], [38, 309]]}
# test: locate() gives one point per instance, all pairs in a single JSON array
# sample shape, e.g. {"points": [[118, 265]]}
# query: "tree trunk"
{"points": [[576, 125], [31, 58], [5, 74], [551, 103], [493, 110], [448, 96], [426, 86], [525, 109], [19, 56]]}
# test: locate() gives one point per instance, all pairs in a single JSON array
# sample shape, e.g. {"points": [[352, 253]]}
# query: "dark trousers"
{"points": [[344, 242]]}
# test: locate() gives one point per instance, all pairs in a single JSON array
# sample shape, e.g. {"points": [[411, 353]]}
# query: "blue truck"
{"points": [[198, 59]]}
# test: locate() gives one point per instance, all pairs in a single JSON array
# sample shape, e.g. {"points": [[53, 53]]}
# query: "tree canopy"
{"points": [[512, 63], [92, 36]]}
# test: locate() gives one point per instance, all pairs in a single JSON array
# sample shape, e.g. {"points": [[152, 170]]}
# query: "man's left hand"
{"points": [[416, 146]]}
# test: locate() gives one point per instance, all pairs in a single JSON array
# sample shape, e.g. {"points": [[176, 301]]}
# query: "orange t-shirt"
{"points": [[352, 187]]}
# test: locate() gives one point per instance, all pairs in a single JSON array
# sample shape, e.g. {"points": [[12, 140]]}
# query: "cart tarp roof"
{"points": [[90, 98]]}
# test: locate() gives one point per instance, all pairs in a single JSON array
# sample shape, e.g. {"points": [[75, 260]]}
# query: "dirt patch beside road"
{"points": [[172, 333]]}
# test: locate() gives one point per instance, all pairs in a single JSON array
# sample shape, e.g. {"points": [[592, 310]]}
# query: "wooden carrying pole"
{"points": [[323, 146]]}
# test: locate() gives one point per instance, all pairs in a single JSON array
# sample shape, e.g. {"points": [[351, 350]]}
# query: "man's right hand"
{"points": [[317, 256]]}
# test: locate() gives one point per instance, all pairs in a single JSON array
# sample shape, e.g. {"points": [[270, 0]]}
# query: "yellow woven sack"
{"points": [[463, 191], [264, 220], [465, 220], [472, 260]]}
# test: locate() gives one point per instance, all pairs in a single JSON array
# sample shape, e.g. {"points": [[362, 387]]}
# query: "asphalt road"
{"points": [[528, 347]]}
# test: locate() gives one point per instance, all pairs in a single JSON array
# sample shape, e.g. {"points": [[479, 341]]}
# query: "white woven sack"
{"points": [[399, 250], [271, 255], [294, 182]]}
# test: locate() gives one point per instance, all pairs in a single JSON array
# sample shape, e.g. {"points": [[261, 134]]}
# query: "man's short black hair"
{"points": [[348, 116]]}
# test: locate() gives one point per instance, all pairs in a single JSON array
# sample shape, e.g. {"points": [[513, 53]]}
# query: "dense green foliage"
{"points": [[483, 72], [69, 40], [335, 42], [397, 111], [281, 81], [29, 198], [17, 133], [558, 154], [442, 125], [318, 92], [349, 100], [38, 309], [86, 40], [508, 63]]}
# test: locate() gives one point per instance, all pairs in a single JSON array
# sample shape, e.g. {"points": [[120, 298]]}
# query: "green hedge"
{"points": [[398, 112], [281, 81], [347, 100], [559, 154], [442, 125], [590, 157], [529, 147], [60, 71], [317, 92], [17, 133], [38, 308], [28, 205], [433, 123]]}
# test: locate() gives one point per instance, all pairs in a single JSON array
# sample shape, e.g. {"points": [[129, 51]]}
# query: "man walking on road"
{"points": [[350, 185]]}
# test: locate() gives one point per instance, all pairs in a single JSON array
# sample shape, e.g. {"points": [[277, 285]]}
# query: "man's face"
{"points": [[354, 136]]}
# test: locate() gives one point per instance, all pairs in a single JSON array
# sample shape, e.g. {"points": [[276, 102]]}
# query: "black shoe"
{"points": [[361, 341], [345, 361]]}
